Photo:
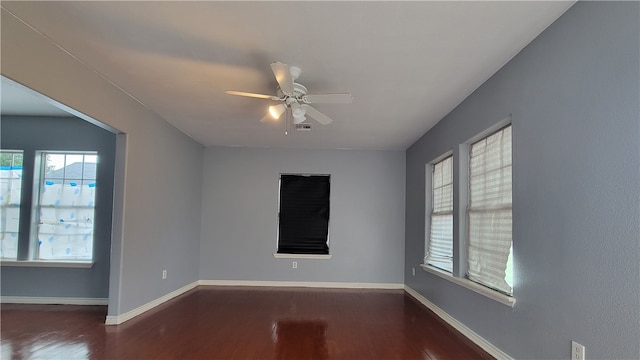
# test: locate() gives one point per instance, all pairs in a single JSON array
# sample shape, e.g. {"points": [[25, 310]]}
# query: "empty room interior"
{"points": [[320, 180]]}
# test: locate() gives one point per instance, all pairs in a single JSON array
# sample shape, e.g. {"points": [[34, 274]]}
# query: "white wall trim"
{"points": [[53, 300], [119, 319], [44, 263], [470, 334], [311, 284]]}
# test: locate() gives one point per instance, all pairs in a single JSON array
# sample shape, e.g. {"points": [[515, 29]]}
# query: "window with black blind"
{"points": [[304, 214]]}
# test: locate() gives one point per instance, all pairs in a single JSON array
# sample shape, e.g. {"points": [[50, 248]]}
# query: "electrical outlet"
{"points": [[164, 274], [294, 265], [413, 271], [577, 351]]}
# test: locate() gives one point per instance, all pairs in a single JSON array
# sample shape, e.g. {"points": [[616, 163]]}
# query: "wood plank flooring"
{"points": [[240, 323]]}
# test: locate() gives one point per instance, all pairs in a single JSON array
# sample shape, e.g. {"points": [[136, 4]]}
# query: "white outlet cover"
{"points": [[577, 351]]}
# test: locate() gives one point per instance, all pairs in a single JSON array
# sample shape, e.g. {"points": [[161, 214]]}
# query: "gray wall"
{"points": [[574, 97], [240, 208], [69, 134], [573, 93], [158, 169]]}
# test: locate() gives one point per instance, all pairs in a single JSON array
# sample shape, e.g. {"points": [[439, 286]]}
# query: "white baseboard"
{"points": [[310, 284], [119, 319], [52, 300], [470, 334]]}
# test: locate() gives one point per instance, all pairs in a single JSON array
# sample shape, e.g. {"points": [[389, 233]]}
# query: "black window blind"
{"points": [[304, 214]]}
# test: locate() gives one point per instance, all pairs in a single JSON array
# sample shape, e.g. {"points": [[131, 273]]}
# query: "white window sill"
{"points": [[301, 256], [41, 263], [485, 291]]}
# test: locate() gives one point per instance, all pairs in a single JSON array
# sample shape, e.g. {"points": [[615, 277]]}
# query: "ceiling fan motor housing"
{"points": [[299, 91], [293, 101]]}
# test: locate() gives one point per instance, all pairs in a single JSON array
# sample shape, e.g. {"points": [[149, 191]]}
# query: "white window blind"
{"points": [[489, 246], [440, 246]]}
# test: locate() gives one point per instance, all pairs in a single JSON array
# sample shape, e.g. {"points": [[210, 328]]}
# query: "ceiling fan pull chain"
{"points": [[287, 122]]}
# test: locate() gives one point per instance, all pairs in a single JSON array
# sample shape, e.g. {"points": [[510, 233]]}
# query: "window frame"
{"points": [[278, 255], [39, 180], [429, 195], [32, 180], [461, 157], [13, 152], [470, 210]]}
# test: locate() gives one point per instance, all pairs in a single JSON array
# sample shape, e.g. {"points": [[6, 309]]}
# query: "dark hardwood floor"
{"points": [[240, 323]]}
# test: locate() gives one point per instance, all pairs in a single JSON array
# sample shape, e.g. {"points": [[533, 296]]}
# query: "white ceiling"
{"points": [[407, 64], [15, 99]]}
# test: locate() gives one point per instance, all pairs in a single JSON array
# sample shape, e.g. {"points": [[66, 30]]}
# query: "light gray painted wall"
{"points": [[240, 208], [159, 187], [31, 134], [574, 94]]}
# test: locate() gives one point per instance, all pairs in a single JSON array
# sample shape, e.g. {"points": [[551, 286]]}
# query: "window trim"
{"points": [[48, 264], [278, 255], [302, 256]]}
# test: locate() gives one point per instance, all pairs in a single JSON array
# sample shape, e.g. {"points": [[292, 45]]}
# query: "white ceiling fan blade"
{"points": [[283, 76], [320, 117], [328, 99], [259, 96]]}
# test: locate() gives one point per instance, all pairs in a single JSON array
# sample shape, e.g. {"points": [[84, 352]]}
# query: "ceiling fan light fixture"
{"points": [[298, 110], [276, 110]]}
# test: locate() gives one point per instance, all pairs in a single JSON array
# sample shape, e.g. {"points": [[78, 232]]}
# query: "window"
{"points": [[304, 214], [64, 206], [440, 243], [10, 194], [489, 253], [469, 238]]}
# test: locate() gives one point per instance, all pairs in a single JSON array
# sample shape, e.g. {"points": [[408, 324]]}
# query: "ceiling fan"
{"points": [[293, 97]]}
